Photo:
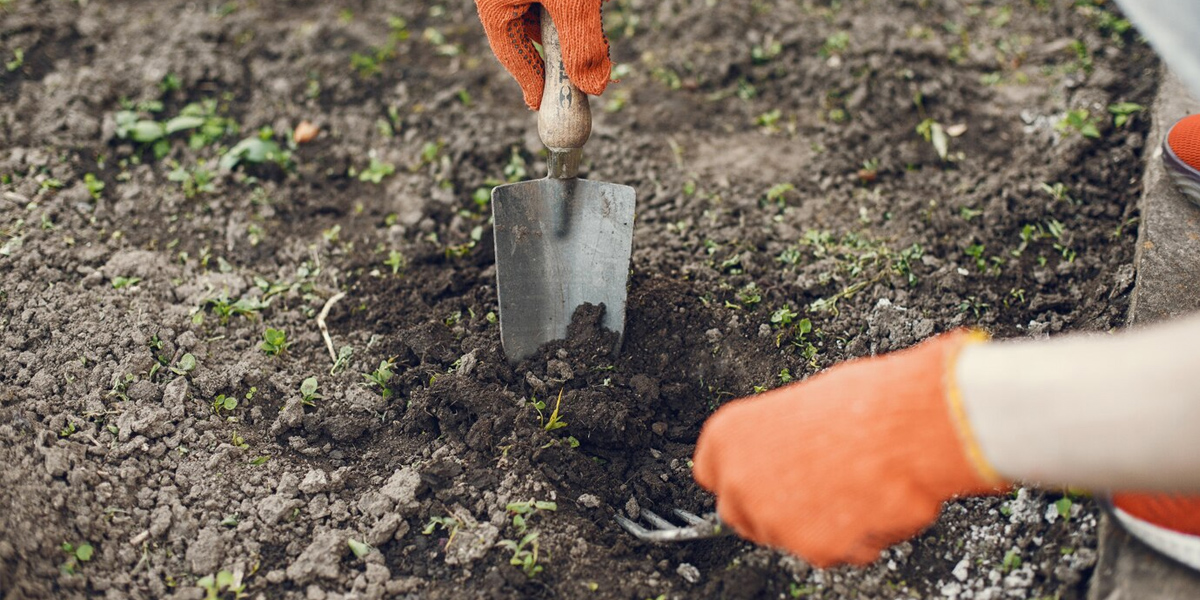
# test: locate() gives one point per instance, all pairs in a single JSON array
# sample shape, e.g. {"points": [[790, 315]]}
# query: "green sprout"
{"points": [[525, 553], [94, 186], [381, 376], [1079, 120], [360, 549], [554, 422], [274, 341], [119, 282], [223, 402], [396, 260], [17, 62], [308, 392], [377, 171], [224, 585], [187, 364], [1123, 112], [76, 555], [522, 512]]}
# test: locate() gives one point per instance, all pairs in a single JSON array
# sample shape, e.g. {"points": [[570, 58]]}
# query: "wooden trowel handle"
{"points": [[565, 119]]}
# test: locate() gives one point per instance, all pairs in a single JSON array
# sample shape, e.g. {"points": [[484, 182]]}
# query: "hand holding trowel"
{"points": [[561, 242]]}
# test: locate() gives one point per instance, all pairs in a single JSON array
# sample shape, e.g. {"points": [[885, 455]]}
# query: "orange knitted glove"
{"points": [[513, 25], [839, 467], [1174, 512]]}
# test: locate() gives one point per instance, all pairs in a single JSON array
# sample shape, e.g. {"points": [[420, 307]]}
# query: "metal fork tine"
{"points": [[691, 518], [637, 530], [661, 530], [658, 521]]}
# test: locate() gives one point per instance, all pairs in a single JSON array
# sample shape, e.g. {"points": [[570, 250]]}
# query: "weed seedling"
{"points": [[17, 61], [381, 376], [76, 555], [308, 392], [256, 150], [274, 341], [343, 359], [835, 44], [198, 180], [360, 549], [1059, 192], [224, 585], [1079, 120], [525, 553], [784, 316], [94, 186], [396, 260], [223, 402], [447, 523], [186, 364], [376, 171], [766, 52], [522, 512], [1123, 112], [778, 193], [933, 132], [554, 422], [119, 282], [1063, 506], [1012, 561]]}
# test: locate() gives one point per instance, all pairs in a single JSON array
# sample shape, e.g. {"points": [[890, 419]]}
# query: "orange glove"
{"points": [[513, 25], [839, 467], [1174, 512]]}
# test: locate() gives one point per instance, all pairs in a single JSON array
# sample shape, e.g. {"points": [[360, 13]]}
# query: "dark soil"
{"points": [[775, 152]]}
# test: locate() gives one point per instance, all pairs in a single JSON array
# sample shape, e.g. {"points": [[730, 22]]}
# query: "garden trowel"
{"points": [[561, 242]]}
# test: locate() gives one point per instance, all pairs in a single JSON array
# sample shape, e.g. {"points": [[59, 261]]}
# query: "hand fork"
{"points": [[661, 531]]}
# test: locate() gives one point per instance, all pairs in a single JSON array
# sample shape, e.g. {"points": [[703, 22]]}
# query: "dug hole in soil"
{"points": [[816, 181]]}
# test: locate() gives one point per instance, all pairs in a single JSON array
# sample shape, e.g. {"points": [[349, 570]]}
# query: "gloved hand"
{"points": [[513, 25], [841, 466], [1177, 512]]}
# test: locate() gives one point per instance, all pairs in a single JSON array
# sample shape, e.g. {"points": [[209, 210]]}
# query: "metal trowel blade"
{"points": [[560, 244]]}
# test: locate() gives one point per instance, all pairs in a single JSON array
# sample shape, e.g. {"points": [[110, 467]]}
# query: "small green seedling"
{"points": [[308, 392], [274, 341], [224, 403], [76, 555], [381, 376], [17, 61], [784, 316], [1063, 506], [120, 282], [554, 422], [198, 180], [94, 186], [444, 523], [525, 553], [360, 549], [256, 150], [522, 512], [377, 171], [1012, 561], [343, 359], [1079, 120], [764, 53], [1123, 112], [225, 309], [835, 44], [186, 364], [224, 585], [934, 133], [69, 430], [396, 261]]}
